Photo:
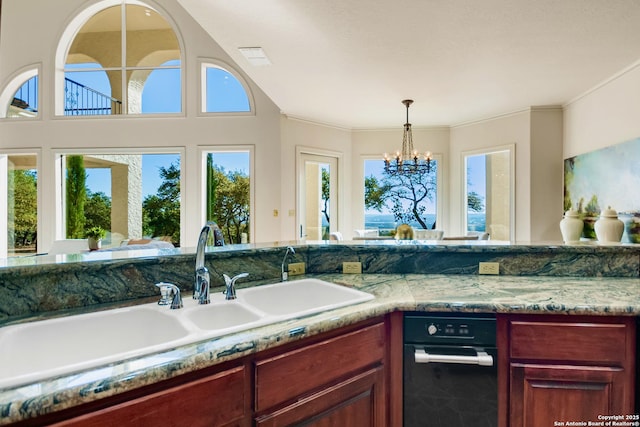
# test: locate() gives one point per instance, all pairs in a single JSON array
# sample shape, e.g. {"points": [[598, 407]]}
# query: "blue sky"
{"points": [[162, 94], [99, 180]]}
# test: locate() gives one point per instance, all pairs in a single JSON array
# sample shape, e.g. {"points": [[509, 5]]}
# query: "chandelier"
{"points": [[409, 160]]}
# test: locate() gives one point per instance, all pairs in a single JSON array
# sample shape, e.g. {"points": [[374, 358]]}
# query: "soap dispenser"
{"points": [[609, 228]]}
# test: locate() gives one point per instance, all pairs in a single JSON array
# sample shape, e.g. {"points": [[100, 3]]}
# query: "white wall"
{"points": [[537, 135], [547, 174], [606, 115], [185, 132]]}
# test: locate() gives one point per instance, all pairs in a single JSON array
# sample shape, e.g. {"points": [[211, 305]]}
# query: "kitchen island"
{"points": [[593, 296]]}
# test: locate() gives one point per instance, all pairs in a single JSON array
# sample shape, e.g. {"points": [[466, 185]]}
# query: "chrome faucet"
{"points": [[230, 282], [285, 274], [202, 281], [169, 295]]}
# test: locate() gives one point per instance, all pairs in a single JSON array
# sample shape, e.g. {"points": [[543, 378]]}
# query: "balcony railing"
{"points": [[81, 100]]}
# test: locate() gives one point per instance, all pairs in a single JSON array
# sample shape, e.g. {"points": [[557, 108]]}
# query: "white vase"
{"points": [[94, 244], [609, 228], [571, 226]]}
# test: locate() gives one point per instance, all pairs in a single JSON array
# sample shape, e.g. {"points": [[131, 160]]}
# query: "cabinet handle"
{"points": [[481, 358]]}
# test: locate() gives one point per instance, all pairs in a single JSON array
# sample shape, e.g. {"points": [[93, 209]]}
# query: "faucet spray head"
{"points": [[284, 274]]}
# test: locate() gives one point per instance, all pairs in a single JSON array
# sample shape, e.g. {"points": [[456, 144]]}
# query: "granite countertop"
{"points": [[404, 292]]}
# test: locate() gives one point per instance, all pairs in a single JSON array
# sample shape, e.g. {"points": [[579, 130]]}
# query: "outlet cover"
{"points": [[296, 268], [489, 268], [351, 268]]}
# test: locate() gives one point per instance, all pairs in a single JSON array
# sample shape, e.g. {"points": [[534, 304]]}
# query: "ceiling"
{"points": [[350, 63]]}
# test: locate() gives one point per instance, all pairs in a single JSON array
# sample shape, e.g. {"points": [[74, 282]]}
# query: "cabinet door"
{"points": [[544, 394], [217, 400], [289, 375], [358, 401]]}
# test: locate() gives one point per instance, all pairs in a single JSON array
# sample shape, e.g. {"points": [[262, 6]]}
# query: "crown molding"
{"points": [[603, 83]]}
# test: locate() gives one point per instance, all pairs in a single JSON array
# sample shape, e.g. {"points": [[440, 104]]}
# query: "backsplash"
{"points": [[606, 177], [29, 290]]}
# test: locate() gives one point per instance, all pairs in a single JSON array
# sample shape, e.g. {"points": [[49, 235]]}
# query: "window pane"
{"points": [[224, 92], [100, 38], [89, 93], [228, 197], [25, 100], [150, 39], [476, 193], [132, 196], [22, 205], [97, 81], [158, 91], [390, 199]]}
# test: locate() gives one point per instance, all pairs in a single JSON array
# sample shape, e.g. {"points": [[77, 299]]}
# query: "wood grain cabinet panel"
{"points": [[579, 342], [358, 401], [564, 368], [291, 374], [217, 400]]}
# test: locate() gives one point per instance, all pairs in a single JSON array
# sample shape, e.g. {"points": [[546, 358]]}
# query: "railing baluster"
{"points": [[83, 100]]}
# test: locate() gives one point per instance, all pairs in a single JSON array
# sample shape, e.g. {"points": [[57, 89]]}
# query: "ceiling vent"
{"points": [[255, 55]]}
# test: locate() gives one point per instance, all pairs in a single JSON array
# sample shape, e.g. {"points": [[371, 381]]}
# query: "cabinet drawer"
{"points": [[590, 342], [294, 373], [197, 403]]}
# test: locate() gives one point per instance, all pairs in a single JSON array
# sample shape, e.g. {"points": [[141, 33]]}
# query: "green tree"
{"points": [[375, 193], [97, 210], [409, 193], [211, 188], [161, 211], [474, 202], [76, 197], [23, 206], [326, 191], [231, 203]]}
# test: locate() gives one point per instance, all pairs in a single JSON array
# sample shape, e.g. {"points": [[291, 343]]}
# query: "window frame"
{"points": [[439, 158], [59, 155], [202, 152], [16, 81], [66, 40], [203, 64], [4, 206]]}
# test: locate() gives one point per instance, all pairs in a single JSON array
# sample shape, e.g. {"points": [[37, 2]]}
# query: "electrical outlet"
{"points": [[351, 267], [296, 268], [489, 268]]}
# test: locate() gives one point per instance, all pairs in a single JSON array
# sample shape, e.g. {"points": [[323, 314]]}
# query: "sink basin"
{"points": [[70, 343], [31, 352], [223, 316], [301, 297]]}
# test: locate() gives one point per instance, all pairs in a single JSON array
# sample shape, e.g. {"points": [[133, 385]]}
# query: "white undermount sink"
{"points": [[50, 347], [301, 297], [34, 351]]}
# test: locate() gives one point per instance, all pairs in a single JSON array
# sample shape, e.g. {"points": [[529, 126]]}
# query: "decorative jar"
{"points": [[609, 228], [571, 226]]}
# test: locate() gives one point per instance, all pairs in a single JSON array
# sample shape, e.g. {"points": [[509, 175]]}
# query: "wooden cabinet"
{"points": [[357, 401], [339, 381], [564, 368], [216, 400], [338, 378]]}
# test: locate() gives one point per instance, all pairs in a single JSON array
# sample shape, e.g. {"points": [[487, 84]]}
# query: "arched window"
{"points": [[110, 54], [20, 97], [223, 91]]}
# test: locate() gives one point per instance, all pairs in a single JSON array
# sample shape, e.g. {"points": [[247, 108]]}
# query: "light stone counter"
{"points": [[404, 292]]}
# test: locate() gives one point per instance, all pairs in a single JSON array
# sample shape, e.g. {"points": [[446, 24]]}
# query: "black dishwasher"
{"points": [[450, 373]]}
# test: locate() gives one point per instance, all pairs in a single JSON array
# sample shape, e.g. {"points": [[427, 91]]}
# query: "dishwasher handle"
{"points": [[481, 358]]}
